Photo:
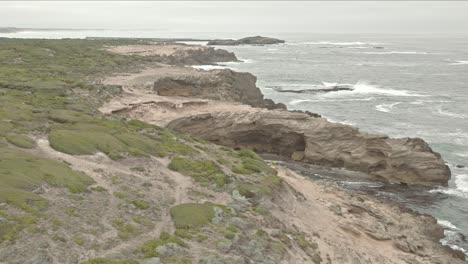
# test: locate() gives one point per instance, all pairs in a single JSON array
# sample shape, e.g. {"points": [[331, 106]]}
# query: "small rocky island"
{"points": [[256, 40]]}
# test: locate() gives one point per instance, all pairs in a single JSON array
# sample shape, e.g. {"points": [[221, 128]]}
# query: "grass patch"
{"points": [[182, 233], [141, 204], [192, 215], [21, 141], [117, 139], [21, 172], [205, 172], [149, 247], [124, 230], [15, 224]]}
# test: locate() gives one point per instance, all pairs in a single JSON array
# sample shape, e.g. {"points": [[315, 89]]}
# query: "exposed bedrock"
{"points": [[222, 85], [317, 141], [205, 55], [256, 40]]}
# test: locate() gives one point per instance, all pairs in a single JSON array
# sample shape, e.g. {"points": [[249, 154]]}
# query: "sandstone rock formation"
{"points": [[317, 141], [223, 85], [256, 40], [177, 53]]}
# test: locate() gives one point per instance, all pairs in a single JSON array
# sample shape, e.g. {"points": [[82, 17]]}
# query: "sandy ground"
{"points": [[152, 50]]}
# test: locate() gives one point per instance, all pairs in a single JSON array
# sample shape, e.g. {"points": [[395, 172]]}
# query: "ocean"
{"points": [[403, 86]]}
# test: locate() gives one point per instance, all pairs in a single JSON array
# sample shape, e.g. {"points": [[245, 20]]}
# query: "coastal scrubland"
{"points": [[81, 186], [55, 192]]}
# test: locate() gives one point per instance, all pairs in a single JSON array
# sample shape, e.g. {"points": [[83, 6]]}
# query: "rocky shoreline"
{"points": [[226, 108]]}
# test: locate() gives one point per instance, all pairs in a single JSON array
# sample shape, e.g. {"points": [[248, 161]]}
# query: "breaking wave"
{"points": [[461, 62], [386, 108], [395, 52], [209, 67], [443, 112], [363, 88], [346, 43]]}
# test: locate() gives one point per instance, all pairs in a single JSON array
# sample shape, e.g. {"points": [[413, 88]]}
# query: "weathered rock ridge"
{"points": [[256, 40], [177, 53], [222, 85], [317, 141]]}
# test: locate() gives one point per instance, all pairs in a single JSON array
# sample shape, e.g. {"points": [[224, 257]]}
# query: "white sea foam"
{"points": [[460, 62], [443, 112], [348, 43], [449, 191], [461, 181], [299, 101], [363, 88], [395, 52], [461, 189], [449, 236], [465, 154], [446, 224], [386, 108], [209, 67]]}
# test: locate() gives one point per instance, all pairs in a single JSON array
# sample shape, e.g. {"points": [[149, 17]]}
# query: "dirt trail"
{"points": [[356, 228]]}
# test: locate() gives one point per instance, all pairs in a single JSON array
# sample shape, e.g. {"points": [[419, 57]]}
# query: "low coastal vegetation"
{"points": [[56, 103]]}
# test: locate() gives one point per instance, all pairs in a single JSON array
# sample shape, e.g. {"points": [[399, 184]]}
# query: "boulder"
{"points": [[403, 160], [256, 40]]}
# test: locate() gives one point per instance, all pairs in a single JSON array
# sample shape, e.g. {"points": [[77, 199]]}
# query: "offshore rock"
{"points": [[256, 40]]}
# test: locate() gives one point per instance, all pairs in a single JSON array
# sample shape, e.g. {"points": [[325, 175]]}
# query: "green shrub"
{"points": [[149, 247], [247, 153], [203, 171], [140, 204], [229, 235], [21, 141], [124, 230], [183, 234]]}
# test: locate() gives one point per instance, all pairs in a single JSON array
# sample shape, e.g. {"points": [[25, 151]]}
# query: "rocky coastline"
{"points": [[226, 108]]}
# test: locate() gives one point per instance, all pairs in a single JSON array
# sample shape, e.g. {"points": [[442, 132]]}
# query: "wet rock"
{"points": [[460, 166]]}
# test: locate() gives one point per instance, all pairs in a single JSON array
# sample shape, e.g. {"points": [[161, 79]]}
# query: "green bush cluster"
{"points": [[205, 172], [251, 163], [149, 247]]}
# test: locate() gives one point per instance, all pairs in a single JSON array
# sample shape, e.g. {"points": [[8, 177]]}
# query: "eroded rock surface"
{"points": [[222, 85], [317, 141], [177, 54]]}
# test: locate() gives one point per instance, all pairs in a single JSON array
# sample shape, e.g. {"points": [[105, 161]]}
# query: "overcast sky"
{"points": [[247, 16]]}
